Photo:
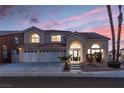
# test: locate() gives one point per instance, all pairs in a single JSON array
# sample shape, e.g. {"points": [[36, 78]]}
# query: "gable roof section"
{"points": [[64, 31], [75, 33], [32, 28]]}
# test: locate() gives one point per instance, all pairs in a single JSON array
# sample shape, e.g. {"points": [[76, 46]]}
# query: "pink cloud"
{"points": [[95, 11], [85, 18], [106, 31], [85, 15]]}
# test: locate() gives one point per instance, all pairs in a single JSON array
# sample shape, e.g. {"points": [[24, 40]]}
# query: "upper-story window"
{"points": [[35, 38], [56, 38], [16, 40], [4, 51]]}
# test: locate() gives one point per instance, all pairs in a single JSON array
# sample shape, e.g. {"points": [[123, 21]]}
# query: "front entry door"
{"points": [[76, 55]]}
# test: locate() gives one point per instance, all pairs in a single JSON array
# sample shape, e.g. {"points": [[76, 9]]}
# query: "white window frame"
{"points": [[35, 39], [56, 38]]}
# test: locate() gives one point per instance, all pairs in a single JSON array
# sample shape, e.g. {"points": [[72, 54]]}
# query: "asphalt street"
{"points": [[61, 82]]}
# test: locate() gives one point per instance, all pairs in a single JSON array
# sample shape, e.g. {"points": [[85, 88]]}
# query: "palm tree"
{"points": [[119, 32], [66, 61], [112, 30]]}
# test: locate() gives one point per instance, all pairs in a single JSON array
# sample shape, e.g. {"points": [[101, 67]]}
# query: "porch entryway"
{"points": [[75, 52]]}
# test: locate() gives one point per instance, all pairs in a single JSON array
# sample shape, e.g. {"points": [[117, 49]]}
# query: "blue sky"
{"points": [[82, 18], [17, 17]]}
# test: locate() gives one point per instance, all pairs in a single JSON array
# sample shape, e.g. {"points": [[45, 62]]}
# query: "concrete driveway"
{"points": [[16, 69], [51, 69]]}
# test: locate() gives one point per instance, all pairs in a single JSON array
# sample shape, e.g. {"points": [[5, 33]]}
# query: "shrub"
{"points": [[114, 64], [98, 56], [90, 57]]}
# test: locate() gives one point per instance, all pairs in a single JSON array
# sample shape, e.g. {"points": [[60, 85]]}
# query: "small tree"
{"points": [[66, 61]]}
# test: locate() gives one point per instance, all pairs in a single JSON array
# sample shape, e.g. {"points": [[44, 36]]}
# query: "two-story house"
{"points": [[37, 45]]}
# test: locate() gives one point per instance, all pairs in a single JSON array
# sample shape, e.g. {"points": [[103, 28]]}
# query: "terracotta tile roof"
{"points": [[89, 35], [92, 35], [58, 31]]}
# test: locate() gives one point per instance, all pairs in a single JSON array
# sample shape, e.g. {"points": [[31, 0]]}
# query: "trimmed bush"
{"points": [[98, 56], [90, 58], [114, 64]]}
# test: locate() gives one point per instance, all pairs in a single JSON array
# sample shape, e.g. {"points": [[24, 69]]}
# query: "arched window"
{"points": [[75, 45], [95, 46], [35, 38]]}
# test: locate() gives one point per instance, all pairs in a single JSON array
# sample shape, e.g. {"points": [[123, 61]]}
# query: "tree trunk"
{"points": [[119, 32], [112, 30]]}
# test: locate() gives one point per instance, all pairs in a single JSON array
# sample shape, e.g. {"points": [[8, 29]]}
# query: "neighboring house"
{"points": [[122, 54], [37, 45], [121, 57]]}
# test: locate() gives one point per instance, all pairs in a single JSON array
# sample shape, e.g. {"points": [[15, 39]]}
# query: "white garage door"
{"points": [[38, 56]]}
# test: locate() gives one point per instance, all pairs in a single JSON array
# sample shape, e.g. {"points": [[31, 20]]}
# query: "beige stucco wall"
{"points": [[48, 36]]}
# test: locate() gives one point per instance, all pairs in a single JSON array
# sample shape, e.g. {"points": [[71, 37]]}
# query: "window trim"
{"points": [[58, 39], [37, 39]]}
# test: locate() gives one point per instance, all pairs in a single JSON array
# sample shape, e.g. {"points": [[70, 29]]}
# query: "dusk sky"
{"points": [[82, 18]]}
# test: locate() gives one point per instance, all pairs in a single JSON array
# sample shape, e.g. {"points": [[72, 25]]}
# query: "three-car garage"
{"points": [[41, 55]]}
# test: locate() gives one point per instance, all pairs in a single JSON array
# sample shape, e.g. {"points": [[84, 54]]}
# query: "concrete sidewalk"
{"points": [[33, 69], [66, 74]]}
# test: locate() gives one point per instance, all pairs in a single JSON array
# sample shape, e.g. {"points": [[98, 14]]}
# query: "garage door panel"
{"points": [[42, 56]]}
